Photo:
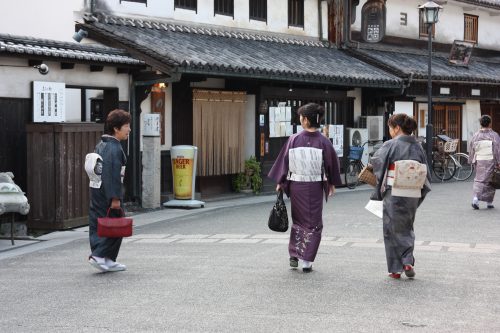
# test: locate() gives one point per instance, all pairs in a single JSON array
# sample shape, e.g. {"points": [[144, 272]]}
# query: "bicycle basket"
{"points": [[451, 146], [355, 152]]}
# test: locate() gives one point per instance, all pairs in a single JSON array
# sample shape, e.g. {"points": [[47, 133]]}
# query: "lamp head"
{"points": [[430, 11], [79, 35]]}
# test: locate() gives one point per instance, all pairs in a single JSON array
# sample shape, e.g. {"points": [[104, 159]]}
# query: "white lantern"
{"points": [[430, 11]]}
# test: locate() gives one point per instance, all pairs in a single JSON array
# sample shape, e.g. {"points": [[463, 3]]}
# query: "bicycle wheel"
{"points": [[352, 171], [464, 169], [444, 169]]}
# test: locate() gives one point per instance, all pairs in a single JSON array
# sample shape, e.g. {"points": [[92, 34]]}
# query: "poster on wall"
{"points": [[280, 118], [336, 133], [49, 102]]}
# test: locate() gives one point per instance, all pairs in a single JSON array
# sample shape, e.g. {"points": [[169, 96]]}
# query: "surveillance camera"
{"points": [[79, 35], [43, 69]]}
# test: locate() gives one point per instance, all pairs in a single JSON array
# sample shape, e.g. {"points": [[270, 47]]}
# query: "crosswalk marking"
{"points": [[327, 241]]}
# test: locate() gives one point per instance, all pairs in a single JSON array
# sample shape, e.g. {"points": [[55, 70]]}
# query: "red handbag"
{"points": [[114, 227]]}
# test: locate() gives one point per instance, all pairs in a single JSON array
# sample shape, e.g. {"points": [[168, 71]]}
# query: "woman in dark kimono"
{"points": [[484, 153], [399, 210], [306, 167], [107, 192]]}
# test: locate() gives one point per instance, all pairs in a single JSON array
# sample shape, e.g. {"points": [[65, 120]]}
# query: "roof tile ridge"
{"points": [[207, 29]]}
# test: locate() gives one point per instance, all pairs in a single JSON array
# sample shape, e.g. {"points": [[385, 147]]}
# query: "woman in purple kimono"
{"points": [[306, 167], [484, 153], [400, 204]]}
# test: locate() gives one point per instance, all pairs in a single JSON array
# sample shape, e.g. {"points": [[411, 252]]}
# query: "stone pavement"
{"points": [[219, 269]]}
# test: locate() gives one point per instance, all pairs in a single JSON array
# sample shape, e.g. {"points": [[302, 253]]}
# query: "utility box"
{"points": [[58, 189]]}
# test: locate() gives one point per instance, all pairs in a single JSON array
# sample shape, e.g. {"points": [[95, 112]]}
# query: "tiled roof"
{"points": [[64, 51], [406, 62], [186, 49], [483, 3]]}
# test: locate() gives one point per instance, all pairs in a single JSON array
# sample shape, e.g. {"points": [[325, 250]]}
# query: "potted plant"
{"points": [[250, 180]]}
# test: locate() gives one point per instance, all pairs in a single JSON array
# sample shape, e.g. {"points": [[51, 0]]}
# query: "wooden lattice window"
{"points": [[258, 10], [296, 13], [224, 7], [470, 28], [423, 27], [186, 4]]}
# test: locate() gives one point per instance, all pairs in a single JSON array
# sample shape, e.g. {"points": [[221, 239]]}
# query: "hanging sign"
{"points": [[373, 21], [49, 102]]}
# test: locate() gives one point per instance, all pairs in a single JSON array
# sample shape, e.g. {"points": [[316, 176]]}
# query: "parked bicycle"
{"points": [[354, 165], [447, 163]]}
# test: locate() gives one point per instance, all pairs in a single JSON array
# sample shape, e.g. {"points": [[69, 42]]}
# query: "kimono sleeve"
{"points": [[496, 147], [380, 163], [279, 170], [111, 172], [332, 165]]}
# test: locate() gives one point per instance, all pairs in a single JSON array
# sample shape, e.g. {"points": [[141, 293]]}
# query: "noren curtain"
{"points": [[218, 131]]}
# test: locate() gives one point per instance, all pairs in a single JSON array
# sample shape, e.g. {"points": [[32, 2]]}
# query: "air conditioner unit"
{"points": [[375, 126], [358, 136]]}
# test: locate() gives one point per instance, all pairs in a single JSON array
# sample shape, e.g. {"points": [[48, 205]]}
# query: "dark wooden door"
{"points": [[493, 110], [15, 113]]}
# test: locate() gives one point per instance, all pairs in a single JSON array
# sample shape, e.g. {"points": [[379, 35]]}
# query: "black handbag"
{"points": [[278, 218], [495, 179]]}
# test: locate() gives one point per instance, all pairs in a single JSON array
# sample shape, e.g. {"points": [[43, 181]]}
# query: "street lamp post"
{"points": [[430, 11]]}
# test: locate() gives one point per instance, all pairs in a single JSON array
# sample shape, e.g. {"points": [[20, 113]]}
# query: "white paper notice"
{"points": [[288, 113], [375, 207], [289, 129], [282, 128], [272, 131], [336, 132], [272, 114], [277, 129], [282, 113]]}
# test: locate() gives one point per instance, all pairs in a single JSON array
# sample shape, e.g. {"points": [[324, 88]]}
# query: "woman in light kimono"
{"points": [[399, 208], [484, 153], [306, 167], [107, 192]]}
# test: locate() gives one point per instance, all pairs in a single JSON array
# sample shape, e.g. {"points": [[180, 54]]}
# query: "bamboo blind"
{"points": [[218, 127]]}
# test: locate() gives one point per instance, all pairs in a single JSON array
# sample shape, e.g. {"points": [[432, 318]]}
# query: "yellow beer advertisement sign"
{"points": [[182, 168]]}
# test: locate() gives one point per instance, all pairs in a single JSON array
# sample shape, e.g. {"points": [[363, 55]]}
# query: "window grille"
{"points": [[296, 13], [470, 28], [423, 28], [186, 4], [258, 10], [224, 7]]}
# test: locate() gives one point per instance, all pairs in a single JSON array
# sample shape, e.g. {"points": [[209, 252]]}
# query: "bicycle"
{"points": [[464, 168], [353, 165], [444, 163]]}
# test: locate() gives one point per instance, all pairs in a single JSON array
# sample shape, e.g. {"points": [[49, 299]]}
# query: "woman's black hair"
{"points": [[313, 112], [407, 124], [116, 119], [485, 120]]}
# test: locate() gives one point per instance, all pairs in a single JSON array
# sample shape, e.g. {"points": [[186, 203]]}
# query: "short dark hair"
{"points": [[407, 124], [313, 112], [485, 120], [116, 119]]}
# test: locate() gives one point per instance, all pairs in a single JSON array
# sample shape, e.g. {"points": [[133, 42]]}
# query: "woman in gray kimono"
{"points": [[484, 153], [399, 208], [106, 193], [306, 169]]}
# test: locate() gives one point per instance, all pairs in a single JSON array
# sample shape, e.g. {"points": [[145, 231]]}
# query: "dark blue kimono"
{"points": [[113, 168]]}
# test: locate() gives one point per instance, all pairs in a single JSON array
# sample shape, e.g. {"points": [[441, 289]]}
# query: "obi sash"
{"points": [[305, 164], [484, 150], [407, 178]]}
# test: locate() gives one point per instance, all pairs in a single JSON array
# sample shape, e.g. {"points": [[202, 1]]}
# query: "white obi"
{"points": [[304, 164], [407, 178], [484, 150], [93, 167]]}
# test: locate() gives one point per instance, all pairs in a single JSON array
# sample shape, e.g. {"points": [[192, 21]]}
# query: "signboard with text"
{"points": [[49, 102]]}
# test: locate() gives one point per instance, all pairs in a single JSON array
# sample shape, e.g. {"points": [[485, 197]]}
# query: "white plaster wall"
{"points": [[356, 93], [52, 19], [450, 26], [16, 81], [277, 15], [471, 112]]}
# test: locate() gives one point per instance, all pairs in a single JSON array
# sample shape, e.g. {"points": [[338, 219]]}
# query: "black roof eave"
{"points": [[310, 79]]}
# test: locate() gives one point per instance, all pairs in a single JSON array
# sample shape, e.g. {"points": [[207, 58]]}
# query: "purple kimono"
{"points": [[484, 164], [305, 168]]}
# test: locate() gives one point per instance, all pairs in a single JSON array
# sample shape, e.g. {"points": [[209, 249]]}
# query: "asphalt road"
{"points": [[224, 271]]}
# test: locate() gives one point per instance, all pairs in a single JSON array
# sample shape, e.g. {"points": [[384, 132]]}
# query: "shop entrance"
{"points": [[493, 110]]}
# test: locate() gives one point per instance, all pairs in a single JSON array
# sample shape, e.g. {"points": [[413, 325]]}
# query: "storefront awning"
{"points": [[175, 48], [412, 63]]}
